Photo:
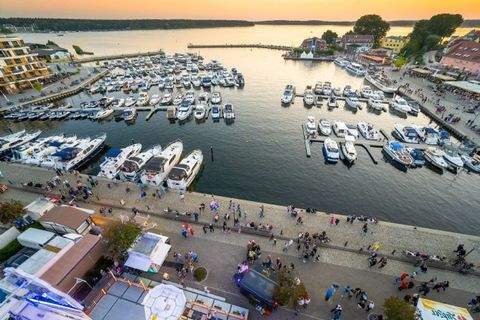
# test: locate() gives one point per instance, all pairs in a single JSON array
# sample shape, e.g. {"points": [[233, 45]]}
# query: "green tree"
{"points": [[9, 211], [372, 24], [329, 36], [427, 34], [398, 309], [444, 24], [289, 289], [119, 238]]}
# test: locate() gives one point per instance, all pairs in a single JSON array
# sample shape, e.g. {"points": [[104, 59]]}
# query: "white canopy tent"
{"points": [[148, 253], [164, 302], [433, 310]]}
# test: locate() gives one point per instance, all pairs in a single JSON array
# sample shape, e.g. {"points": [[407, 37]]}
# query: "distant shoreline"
{"points": [[81, 25]]}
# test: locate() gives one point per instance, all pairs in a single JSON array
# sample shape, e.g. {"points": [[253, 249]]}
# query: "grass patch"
{"points": [[9, 250], [200, 274]]}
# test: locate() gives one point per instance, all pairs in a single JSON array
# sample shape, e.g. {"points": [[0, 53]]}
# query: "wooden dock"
{"points": [[247, 45], [307, 142]]}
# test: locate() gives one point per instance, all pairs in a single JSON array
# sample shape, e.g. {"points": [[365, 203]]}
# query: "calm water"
{"points": [[261, 156]]}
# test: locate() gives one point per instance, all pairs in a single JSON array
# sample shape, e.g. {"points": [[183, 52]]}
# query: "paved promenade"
{"points": [[221, 252], [346, 239]]}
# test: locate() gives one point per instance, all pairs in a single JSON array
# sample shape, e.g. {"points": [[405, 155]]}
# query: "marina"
{"points": [[267, 135]]}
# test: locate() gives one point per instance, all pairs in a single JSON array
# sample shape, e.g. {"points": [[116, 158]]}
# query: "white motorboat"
{"points": [[115, 158], [332, 102], [143, 99], [216, 97], [190, 97], [340, 62], [171, 112], [154, 99], [471, 163], [327, 89], [70, 158], [308, 97], [366, 92], [452, 155], [215, 112], [408, 134], [381, 83], [340, 129], [348, 149], [183, 174], [118, 103], [196, 82], [352, 131], [200, 112], [337, 91], [288, 94], [131, 167], [129, 102], [177, 100], [318, 88], [167, 99], [330, 150], [228, 113], [429, 135], [352, 102], [17, 139], [356, 69], [368, 131], [436, 157], [103, 114], [400, 105], [158, 167], [318, 101], [129, 114], [184, 112], [325, 127], [375, 104], [310, 126], [397, 151], [53, 145]]}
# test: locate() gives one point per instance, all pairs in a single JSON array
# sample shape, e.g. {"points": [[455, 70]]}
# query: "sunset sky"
{"points": [[238, 9]]}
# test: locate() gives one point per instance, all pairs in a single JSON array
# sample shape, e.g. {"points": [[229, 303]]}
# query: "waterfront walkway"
{"points": [[452, 103], [346, 239]]}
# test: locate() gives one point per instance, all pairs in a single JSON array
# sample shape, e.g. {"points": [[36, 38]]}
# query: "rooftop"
{"points": [[63, 266], [71, 217], [465, 50]]}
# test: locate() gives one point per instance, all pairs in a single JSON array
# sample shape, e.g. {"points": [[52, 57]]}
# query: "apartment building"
{"points": [[19, 67]]}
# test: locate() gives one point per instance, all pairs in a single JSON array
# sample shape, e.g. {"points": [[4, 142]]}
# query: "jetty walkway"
{"points": [[118, 56], [346, 238], [246, 45]]}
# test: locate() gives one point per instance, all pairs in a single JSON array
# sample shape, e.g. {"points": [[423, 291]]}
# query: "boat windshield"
{"points": [[155, 164], [178, 173], [130, 165]]}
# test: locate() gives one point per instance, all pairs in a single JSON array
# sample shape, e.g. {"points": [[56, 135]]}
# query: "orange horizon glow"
{"points": [[328, 10]]}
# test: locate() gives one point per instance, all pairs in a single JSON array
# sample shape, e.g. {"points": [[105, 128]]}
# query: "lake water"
{"points": [[261, 156]]}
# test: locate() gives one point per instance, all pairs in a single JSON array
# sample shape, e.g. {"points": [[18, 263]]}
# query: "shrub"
{"points": [[398, 309], [9, 250], [10, 211], [200, 274], [119, 238]]}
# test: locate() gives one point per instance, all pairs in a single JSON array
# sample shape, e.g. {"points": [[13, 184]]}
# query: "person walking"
{"points": [[336, 313], [330, 292], [346, 292], [262, 213]]}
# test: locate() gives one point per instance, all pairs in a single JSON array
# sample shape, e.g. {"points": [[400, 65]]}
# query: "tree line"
{"points": [[53, 24]]}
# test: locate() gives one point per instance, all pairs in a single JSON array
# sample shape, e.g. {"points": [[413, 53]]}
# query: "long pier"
{"points": [[118, 56], [245, 45]]}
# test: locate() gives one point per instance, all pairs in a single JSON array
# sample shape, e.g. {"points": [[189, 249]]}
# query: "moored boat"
{"points": [[435, 157], [348, 149], [397, 151], [114, 159], [330, 150], [132, 166], [158, 167], [183, 174]]}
